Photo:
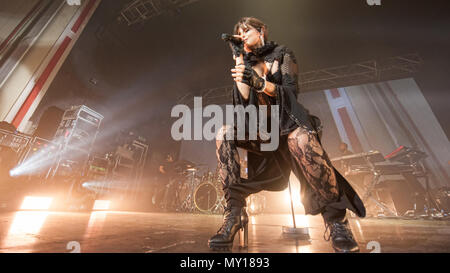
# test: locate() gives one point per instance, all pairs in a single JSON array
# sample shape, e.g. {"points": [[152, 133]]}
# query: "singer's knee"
{"points": [[225, 133]]}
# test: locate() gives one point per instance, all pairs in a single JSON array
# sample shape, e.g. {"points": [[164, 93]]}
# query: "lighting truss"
{"points": [[342, 76], [219, 96], [138, 11], [360, 73]]}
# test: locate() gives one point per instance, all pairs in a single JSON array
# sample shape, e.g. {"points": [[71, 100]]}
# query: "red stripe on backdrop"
{"points": [[83, 16], [40, 83], [16, 29], [350, 130], [335, 93]]}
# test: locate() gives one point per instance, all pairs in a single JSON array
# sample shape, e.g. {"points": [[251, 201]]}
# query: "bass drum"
{"points": [[206, 197]]}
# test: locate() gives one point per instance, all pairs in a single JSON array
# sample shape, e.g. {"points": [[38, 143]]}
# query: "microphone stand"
{"points": [[295, 232]]}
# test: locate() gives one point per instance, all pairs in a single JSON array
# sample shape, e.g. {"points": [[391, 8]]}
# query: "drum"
{"points": [[185, 194], [168, 201], [206, 197], [256, 204], [182, 197]]}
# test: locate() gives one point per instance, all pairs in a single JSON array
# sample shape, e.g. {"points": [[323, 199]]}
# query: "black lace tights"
{"points": [[229, 166], [306, 150], [315, 164]]}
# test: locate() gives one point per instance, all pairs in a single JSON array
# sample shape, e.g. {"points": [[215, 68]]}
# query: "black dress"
{"points": [[271, 170]]}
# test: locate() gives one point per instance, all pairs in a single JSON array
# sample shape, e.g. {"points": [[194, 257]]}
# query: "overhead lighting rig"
{"points": [[138, 11]]}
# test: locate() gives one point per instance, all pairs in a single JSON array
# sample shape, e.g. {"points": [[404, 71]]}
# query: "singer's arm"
{"points": [[244, 89]]}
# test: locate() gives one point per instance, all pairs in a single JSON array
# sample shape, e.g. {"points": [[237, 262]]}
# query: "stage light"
{"points": [[40, 160], [252, 209], [101, 205], [36, 203], [13, 172], [102, 187], [296, 199]]}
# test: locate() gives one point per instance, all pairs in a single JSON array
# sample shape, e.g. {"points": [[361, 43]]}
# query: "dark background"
{"points": [[133, 75]]}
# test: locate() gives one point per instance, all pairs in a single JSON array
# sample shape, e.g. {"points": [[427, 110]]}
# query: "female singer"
{"points": [[267, 74]]}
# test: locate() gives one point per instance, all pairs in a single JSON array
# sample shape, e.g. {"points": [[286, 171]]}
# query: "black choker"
{"points": [[258, 54]]}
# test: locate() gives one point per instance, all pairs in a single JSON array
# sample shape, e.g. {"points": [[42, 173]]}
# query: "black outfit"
{"points": [[169, 169], [271, 170], [164, 186]]}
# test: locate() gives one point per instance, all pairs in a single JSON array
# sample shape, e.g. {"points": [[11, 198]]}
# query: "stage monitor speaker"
{"points": [[49, 122]]}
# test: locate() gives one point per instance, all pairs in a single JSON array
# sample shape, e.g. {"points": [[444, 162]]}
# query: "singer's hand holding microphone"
{"points": [[241, 72], [236, 44]]}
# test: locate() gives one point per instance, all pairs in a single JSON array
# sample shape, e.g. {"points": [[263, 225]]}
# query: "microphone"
{"points": [[230, 38]]}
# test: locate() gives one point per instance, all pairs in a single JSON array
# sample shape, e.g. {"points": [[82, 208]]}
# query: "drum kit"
{"points": [[194, 192]]}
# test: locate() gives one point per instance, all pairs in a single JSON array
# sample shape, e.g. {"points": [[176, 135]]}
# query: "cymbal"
{"points": [[185, 163], [188, 164]]}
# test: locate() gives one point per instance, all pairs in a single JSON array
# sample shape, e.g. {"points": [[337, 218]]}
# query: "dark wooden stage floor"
{"points": [[119, 232]]}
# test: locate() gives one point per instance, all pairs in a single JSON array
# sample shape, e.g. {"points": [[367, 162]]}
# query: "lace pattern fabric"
{"points": [[229, 167], [300, 149], [315, 164]]}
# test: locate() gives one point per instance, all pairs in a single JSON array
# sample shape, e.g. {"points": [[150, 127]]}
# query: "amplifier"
{"points": [[16, 142], [98, 168], [12, 146], [78, 128], [76, 134], [38, 158]]}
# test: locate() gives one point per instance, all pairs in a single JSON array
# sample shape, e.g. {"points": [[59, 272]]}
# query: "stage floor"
{"points": [[125, 232]]}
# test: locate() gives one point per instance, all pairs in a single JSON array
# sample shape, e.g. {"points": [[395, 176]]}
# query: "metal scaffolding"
{"points": [[360, 73], [138, 11], [342, 76]]}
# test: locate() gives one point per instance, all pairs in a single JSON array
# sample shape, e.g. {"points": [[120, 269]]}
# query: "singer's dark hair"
{"points": [[244, 22]]}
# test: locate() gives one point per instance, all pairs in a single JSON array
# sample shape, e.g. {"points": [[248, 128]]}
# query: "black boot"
{"points": [[235, 219], [341, 236]]}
